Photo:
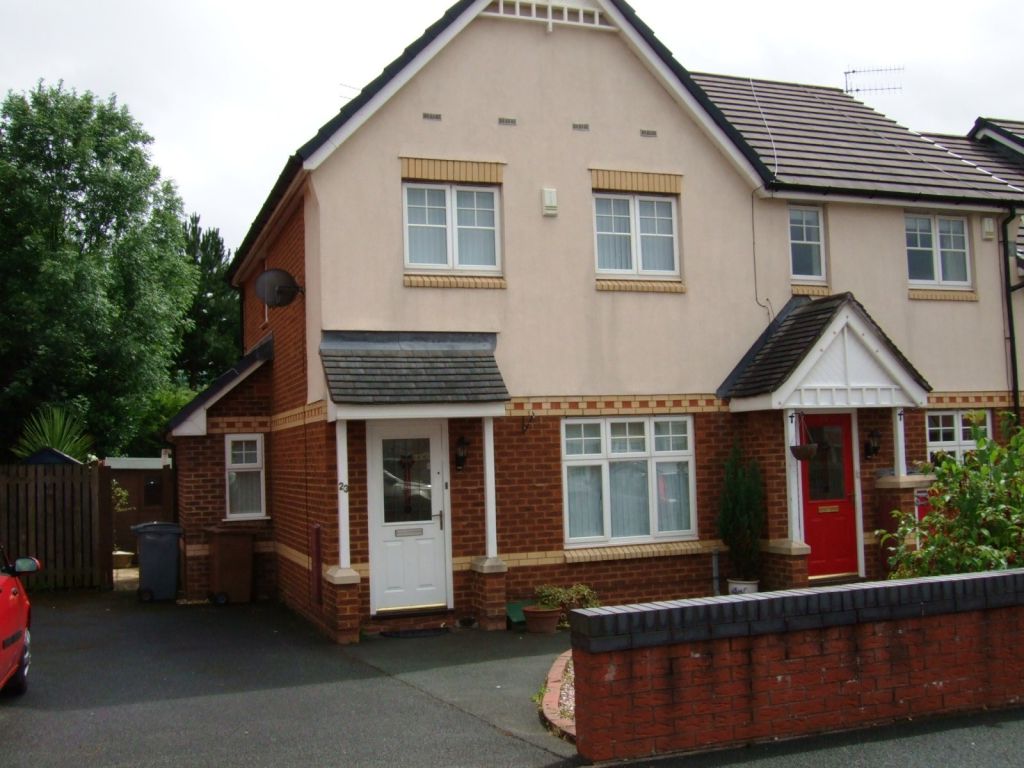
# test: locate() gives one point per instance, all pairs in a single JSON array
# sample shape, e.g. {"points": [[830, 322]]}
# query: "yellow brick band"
{"points": [[810, 290], [602, 405], [970, 400], [918, 294], [297, 417], [453, 281], [642, 286], [466, 171], [636, 181]]}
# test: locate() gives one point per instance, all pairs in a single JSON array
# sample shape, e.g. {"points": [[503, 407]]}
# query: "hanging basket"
{"points": [[804, 452]]}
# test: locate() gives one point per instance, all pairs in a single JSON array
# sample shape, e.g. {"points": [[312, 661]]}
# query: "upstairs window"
{"points": [[635, 235], [937, 252], [805, 244], [449, 227], [244, 469]]}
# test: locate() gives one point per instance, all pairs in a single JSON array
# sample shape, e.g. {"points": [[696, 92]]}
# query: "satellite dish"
{"points": [[277, 288]]}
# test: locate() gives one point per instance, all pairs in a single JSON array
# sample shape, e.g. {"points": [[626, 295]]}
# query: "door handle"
{"points": [[440, 519]]}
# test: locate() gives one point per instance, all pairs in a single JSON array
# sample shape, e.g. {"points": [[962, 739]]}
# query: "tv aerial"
{"points": [[874, 80]]}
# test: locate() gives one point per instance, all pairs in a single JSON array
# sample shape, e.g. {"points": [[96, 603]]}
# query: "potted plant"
{"points": [[553, 604], [740, 520]]}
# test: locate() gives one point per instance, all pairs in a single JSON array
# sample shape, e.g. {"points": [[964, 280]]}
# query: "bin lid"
{"points": [[157, 526]]}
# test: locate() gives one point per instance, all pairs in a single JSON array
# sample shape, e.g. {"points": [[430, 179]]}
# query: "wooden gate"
{"points": [[59, 513]]}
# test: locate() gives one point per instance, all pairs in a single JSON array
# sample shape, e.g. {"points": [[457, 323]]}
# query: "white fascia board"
{"points": [[748, 404], [419, 411], [988, 133], [930, 205], [195, 425], [670, 82], [395, 84]]}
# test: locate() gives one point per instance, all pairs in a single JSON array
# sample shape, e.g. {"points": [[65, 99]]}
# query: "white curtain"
{"points": [[586, 507], [629, 498]]}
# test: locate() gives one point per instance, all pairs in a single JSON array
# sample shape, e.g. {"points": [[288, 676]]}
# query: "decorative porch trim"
{"points": [[611, 405], [297, 417]]}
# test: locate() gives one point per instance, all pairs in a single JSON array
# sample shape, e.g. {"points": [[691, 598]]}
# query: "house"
{"points": [[523, 294]]}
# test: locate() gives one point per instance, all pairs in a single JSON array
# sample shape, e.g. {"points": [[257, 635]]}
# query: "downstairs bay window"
{"points": [[628, 480]]}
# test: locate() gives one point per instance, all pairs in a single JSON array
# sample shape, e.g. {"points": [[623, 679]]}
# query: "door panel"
{"points": [[408, 562], [829, 496]]}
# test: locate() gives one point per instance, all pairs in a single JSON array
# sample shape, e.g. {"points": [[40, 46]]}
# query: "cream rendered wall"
{"points": [[557, 334]]}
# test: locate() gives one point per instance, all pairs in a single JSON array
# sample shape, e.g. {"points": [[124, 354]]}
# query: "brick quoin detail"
{"points": [[695, 677]]}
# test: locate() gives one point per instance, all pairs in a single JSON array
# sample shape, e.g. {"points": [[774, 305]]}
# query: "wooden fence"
{"points": [[60, 514]]}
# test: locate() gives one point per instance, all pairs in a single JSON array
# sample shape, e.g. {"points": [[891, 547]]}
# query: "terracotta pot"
{"points": [[541, 619]]}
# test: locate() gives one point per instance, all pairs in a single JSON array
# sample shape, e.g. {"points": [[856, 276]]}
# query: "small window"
{"points": [[937, 252], [951, 433], [805, 244], [628, 480], [635, 234], [244, 476], [451, 227]]}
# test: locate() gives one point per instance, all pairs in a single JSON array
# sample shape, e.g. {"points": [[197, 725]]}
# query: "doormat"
{"points": [[407, 634]]}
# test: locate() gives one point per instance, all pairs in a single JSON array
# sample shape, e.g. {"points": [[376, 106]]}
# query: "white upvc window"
{"points": [[635, 235], [806, 244], [952, 432], [937, 251], [628, 480], [243, 462], [451, 227]]}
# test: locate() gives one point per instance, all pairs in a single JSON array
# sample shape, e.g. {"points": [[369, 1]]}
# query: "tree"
{"points": [[976, 520], [212, 344], [53, 427], [96, 281]]}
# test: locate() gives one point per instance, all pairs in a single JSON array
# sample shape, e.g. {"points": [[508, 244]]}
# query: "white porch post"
{"points": [[490, 562], [899, 443], [342, 573]]}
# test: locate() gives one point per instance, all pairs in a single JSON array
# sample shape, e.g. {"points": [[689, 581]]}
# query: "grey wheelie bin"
{"points": [[158, 560]]}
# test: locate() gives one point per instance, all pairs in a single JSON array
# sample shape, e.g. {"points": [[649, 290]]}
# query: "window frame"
{"points": [[258, 467], [960, 444], [652, 456], [452, 264], [635, 247], [793, 274], [938, 281]]}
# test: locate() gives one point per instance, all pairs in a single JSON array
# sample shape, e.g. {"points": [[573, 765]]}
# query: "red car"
{"points": [[15, 620]]}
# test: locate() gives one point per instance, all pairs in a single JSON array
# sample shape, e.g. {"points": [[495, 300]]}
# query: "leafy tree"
{"points": [[96, 281], [976, 521], [152, 422], [213, 343], [54, 427]]}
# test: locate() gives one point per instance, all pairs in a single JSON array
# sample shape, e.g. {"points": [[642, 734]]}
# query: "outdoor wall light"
{"points": [[461, 451], [873, 445]]}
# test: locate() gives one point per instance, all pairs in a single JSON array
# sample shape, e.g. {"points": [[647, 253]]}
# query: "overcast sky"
{"points": [[230, 88]]}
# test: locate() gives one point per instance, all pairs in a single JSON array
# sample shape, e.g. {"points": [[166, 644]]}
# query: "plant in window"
{"points": [[741, 514]]}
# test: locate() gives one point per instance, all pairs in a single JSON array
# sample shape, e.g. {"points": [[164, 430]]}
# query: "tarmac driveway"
{"points": [[114, 682]]}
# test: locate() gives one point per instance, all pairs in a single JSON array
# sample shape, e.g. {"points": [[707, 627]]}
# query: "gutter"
{"points": [[1008, 257]]}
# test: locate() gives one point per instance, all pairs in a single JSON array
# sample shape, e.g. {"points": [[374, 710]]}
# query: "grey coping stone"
{"points": [[676, 621]]}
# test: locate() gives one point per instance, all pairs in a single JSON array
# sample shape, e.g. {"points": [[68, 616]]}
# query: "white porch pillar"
{"points": [[899, 443], [342, 573], [490, 562]]}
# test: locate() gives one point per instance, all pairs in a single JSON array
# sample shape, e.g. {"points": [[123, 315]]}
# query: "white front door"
{"points": [[408, 510]]}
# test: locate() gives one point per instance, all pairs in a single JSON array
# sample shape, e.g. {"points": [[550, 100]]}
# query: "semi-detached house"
{"points": [[548, 278]]}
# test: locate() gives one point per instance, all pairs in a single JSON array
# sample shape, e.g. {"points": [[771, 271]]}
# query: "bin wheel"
{"points": [[219, 598], [145, 595]]}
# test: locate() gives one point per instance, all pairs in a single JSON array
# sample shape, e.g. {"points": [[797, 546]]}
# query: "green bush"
{"points": [[741, 514], [976, 521]]}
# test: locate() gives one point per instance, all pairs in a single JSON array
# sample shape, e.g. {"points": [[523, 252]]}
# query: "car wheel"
{"points": [[18, 684]]}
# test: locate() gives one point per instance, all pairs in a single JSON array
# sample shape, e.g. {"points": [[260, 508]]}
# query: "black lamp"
{"points": [[461, 451], [873, 445]]}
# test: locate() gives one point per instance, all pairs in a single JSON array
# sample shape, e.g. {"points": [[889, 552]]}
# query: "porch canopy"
{"points": [[391, 374], [820, 354]]}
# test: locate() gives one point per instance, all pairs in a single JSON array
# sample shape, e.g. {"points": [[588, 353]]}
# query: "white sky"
{"points": [[230, 88]]}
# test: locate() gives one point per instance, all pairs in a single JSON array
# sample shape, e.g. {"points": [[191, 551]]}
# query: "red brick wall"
{"points": [[528, 484], [915, 437], [713, 693]]}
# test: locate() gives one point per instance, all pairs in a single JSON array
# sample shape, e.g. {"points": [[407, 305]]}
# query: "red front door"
{"points": [[830, 509]]}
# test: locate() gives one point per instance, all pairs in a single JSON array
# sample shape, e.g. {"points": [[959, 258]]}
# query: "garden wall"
{"points": [[699, 674]]}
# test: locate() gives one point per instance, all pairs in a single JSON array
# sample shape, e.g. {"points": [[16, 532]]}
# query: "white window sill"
{"points": [[244, 518], [590, 553]]}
